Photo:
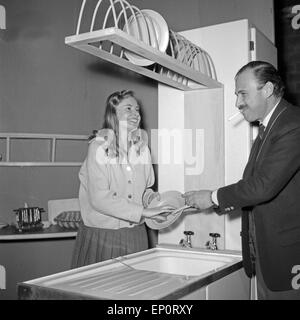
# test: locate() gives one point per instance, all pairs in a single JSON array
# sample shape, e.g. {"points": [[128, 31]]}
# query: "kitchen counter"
{"points": [[118, 280], [10, 233]]}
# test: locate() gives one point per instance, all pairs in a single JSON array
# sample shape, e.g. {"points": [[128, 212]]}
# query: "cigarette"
{"points": [[233, 116]]}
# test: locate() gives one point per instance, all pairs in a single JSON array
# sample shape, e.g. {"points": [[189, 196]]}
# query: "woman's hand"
{"points": [[154, 195], [157, 211]]}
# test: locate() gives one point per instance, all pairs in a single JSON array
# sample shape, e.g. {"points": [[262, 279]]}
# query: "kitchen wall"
{"points": [[48, 87]]}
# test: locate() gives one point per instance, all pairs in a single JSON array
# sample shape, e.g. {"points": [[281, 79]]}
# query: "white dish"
{"points": [[170, 219], [172, 198], [154, 31]]}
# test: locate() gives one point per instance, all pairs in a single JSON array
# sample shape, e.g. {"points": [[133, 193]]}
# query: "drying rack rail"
{"points": [[178, 67], [53, 138], [183, 77]]}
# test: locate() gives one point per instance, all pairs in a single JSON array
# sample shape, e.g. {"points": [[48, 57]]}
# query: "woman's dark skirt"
{"points": [[95, 244]]}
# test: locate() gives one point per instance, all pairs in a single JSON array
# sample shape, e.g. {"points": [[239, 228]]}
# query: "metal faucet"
{"points": [[187, 242], [212, 245]]}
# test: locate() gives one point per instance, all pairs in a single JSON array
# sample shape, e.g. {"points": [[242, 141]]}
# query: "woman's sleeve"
{"points": [[101, 198]]}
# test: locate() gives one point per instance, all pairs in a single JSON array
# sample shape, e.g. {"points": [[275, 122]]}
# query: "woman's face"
{"points": [[128, 113]]}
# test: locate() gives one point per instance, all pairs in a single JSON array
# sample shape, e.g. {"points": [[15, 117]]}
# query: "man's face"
{"points": [[251, 98]]}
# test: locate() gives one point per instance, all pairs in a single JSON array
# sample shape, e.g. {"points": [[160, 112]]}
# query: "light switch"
{"points": [[2, 18], [2, 278]]}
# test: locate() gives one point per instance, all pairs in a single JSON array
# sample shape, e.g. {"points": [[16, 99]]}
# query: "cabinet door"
{"points": [[229, 47], [235, 286], [26, 260], [199, 294], [228, 44], [193, 131]]}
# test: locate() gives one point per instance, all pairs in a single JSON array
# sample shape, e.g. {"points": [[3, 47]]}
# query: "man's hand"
{"points": [[198, 199]]}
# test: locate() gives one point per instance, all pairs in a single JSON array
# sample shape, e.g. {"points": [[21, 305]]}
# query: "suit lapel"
{"points": [[259, 143], [251, 161], [276, 114]]}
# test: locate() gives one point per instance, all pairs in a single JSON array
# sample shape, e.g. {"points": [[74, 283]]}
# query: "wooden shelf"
{"points": [[39, 164], [170, 71], [53, 232], [53, 138]]}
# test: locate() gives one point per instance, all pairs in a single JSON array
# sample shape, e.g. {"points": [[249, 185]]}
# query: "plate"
{"points": [[46, 224], [170, 219], [149, 34], [172, 198]]}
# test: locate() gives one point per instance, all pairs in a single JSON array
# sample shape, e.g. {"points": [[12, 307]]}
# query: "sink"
{"points": [[164, 272], [172, 261]]}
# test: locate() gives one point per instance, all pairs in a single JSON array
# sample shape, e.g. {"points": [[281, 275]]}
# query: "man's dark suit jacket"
{"points": [[270, 188]]}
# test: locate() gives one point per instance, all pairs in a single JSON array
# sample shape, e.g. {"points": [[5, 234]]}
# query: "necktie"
{"points": [[261, 130]]}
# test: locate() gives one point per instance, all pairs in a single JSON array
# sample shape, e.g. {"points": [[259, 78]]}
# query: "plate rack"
{"points": [[184, 65], [5, 161]]}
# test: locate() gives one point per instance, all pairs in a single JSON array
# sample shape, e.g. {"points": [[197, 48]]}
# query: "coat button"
{"points": [[129, 196], [129, 181]]}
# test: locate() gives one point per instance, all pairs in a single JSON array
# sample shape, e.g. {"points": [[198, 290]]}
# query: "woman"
{"points": [[114, 186]]}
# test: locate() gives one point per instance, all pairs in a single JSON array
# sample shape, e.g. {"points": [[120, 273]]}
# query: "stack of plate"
{"points": [[191, 55], [150, 27]]}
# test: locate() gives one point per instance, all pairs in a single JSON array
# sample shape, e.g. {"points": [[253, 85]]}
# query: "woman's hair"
{"points": [[264, 72], [110, 116]]}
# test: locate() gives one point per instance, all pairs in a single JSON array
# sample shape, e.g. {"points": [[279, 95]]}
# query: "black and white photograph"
{"points": [[149, 153]]}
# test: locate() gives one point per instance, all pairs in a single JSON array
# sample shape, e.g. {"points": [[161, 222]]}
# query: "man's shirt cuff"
{"points": [[214, 197]]}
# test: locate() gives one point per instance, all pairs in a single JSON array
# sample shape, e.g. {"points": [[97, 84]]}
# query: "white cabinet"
{"points": [[234, 286], [192, 126], [231, 45]]}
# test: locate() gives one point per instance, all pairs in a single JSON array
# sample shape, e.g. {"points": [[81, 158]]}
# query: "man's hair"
{"points": [[264, 72]]}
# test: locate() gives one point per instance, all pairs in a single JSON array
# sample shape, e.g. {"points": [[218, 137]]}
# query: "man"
{"points": [[269, 192]]}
